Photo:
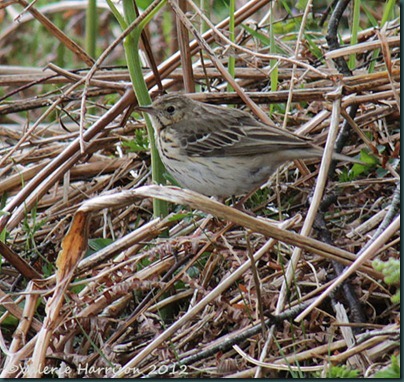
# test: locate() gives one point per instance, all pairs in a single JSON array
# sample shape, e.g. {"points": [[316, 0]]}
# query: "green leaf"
{"points": [[188, 216], [357, 169], [368, 158], [139, 143], [391, 273], [143, 4], [393, 371], [180, 216], [342, 372], [314, 49], [96, 245], [301, 5], [259, 36], [369, 15], [390, 269], [193, 272], [285, 5], [3, 235]]}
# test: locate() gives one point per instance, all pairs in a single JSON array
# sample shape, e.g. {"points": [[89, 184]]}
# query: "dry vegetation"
{"points": [[94, 285]]}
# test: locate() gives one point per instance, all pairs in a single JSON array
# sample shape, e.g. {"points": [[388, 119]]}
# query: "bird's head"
{"points": [[170, 109]]}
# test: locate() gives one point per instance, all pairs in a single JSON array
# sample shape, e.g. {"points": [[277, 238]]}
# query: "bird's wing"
{"points": [[247, 137]]}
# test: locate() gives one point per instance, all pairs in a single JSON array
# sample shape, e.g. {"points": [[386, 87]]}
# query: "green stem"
{"points": [[388, 9], [61, 49], [354, 33], [131, 46], [117, 15], [272, 63], [91, 28], [232, 60]]}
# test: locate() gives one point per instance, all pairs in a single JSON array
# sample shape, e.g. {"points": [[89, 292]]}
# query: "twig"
{"points": [[393, 209], [256, 54], [365, 255], [332, 35]]}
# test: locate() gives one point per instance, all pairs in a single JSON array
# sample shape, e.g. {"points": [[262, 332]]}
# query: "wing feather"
{"points": [[235, 134]]}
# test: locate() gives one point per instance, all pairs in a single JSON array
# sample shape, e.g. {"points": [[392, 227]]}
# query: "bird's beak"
{"points": [[146, 109]]}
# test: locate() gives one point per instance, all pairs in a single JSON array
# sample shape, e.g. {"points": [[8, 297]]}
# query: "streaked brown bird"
{"points": [[220, 151]]}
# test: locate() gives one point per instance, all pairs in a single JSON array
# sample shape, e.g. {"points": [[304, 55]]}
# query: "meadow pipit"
{"points": [[220, 151]]}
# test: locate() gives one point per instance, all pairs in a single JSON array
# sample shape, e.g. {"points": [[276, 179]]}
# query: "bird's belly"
{"points": [[219, 176]]}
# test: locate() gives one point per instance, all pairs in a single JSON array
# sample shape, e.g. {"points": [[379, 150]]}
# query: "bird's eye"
{"points": [[170, 109]]}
